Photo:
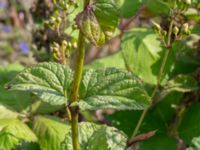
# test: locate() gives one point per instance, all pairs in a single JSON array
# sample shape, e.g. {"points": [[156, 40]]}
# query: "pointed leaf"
{"points": [[97, 137], [90, 27], [99, 20], [49, 81], [12, 132], [107, 13], [50, 131], [112, 88], [182, 83]]}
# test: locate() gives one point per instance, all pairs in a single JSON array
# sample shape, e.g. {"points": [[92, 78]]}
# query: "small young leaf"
{"points": [[182, 83], [97, 137], [99, 20], [107, 13], [90, 27], [51, 132], [13, 132], [49, 81], [112, 88]]}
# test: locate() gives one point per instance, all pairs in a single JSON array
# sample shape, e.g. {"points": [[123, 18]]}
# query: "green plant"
{"points": [[146, 65]]}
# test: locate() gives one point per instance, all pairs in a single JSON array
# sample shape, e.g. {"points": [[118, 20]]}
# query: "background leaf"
{"points": [[6, 113], [50, 131], [142, 52], [189, 127], [114, 60], [130, 7], [158, 6], [13, 132], [11, 99]]}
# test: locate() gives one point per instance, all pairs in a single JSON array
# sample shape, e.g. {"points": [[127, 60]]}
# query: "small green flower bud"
{"points": [[65, 43], [188, 2], [75, 45], [69, 45], [55, 56], [185, 28], [56, 45], [156, 25], [175, 30], [58, 20], [72, 2], [66, 6], [53, 19], [164, 33], [46, 23], [56, 50], [54, 1]]}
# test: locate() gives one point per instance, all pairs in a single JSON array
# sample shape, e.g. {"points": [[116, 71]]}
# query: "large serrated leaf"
{"points": [[12, 132], [49, 81], [50, 131], [98, 137], [112, 88]]}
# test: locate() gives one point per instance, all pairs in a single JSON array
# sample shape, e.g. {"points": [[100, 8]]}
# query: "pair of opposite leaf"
{"points": [[100, 89], [98, 21]]}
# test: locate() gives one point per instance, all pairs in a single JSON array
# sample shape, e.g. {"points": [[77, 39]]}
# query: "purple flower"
{"points": [[6, 28], [2, 5], [23, 46]]}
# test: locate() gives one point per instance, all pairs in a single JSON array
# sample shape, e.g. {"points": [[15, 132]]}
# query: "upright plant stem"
{"points": [[76, 85], [75, 90], [162, 67]]}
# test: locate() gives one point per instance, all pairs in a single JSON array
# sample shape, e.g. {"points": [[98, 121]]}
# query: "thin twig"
{"points": [[158, 81]]}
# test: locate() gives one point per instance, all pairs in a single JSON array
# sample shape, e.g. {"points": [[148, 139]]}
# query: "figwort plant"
{"points": [[51, 87]]}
